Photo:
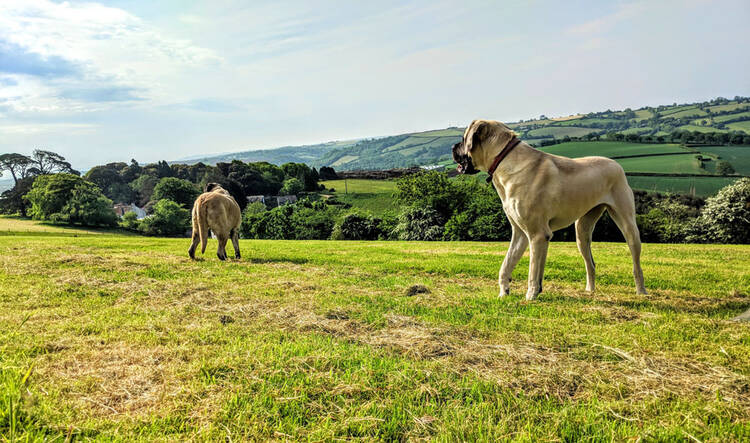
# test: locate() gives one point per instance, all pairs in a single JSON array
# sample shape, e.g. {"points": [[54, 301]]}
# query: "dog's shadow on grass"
{"points": [[726, 307]]}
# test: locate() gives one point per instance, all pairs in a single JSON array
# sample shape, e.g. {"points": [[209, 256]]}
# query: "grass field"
{"points": [[702, 128], [740, 126], [738, 156], [375, 196], [668, 164], [700, 186], [108, 337], [610, 149], [560, 132]]}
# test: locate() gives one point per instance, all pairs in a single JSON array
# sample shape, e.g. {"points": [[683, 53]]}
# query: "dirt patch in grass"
{"points": [[574, 372]]}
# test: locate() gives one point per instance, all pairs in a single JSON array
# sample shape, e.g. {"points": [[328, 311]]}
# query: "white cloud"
{"points": [[112, 51]]}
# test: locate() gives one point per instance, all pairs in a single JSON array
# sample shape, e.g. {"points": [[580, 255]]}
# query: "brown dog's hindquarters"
{"points": [[216, 211]]}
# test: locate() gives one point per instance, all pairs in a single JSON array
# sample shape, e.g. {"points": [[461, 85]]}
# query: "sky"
{"points": [[110, 81]]}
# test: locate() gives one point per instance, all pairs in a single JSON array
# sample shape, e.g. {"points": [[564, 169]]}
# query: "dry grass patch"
{"points": [[575, 373], [105, 380]]}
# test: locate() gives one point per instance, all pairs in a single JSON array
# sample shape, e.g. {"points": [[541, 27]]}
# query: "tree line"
{"points": [[432, 206]]}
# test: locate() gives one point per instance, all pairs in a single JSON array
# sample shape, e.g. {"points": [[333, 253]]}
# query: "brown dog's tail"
{"points": [[202, 214]]}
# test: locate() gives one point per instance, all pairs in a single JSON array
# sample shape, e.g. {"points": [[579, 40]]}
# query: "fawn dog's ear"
{"points": [[211, 186]]}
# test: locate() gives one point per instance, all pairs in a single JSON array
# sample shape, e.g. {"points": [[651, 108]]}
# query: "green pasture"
{"points": [[740, 126], [610, 149], [701, 128], [375, 196], [700, 186], [560, 131], [667, 164], [737, 156], [121, 338]]}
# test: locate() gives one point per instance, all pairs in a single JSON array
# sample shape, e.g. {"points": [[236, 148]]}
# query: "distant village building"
{"points": [[123, 208], [272, 200], [433, 167], [285, 199], [256, 198]]}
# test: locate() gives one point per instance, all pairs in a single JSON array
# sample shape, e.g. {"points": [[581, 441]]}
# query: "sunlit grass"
{"points": [[126, 338]]}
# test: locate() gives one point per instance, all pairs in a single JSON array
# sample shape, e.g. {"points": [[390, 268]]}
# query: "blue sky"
{"points": [[111, 81]]}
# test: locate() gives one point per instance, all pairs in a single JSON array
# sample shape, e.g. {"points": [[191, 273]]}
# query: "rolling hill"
{"points": [[433, 147]]}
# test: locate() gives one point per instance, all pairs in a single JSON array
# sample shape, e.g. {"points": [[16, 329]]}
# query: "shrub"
{"points": [[312, 223], [178, 190], [168, 219], [356, 226], [69, 199], [303, 221], [291, 186], [87, 206], [431, 189], [419, 223], [724, 168], [130, 221], [726, 217]]}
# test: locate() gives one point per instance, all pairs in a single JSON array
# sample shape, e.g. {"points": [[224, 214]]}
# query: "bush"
{"points": [[726, 217], [69, 199], [87, 206], [724, 168], [178, 190], [302, 221], [312, 223], [431, 189], [482, 217], [168, 219], [130, 221], [356, 226], [291, 186], [419, 223]]}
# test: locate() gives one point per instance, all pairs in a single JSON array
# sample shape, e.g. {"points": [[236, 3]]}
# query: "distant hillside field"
{"points": [[434, 147]]}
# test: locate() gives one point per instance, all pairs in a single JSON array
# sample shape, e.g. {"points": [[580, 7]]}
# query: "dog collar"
{"points": [[506, 150]]}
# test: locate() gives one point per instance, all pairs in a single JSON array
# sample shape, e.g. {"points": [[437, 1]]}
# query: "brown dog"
{"points": [[216, 210], [542, 193]]}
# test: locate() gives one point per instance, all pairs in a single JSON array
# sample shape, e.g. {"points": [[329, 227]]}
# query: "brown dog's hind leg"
{"points": [[235, 234], [196, 240], [221, 252], [584, 230]]}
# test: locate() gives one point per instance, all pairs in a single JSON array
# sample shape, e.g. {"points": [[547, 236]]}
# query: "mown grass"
{"points": [[125, 338]]}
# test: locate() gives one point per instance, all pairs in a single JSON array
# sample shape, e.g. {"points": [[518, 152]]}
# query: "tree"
{"points": [[432, 189], [169, 219], [291, 186], [13, 201], [87, 206], [176, 189], [68, 198], [724, 168], [144, 187], [17, 164], [48, 162], [49, 194]]}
